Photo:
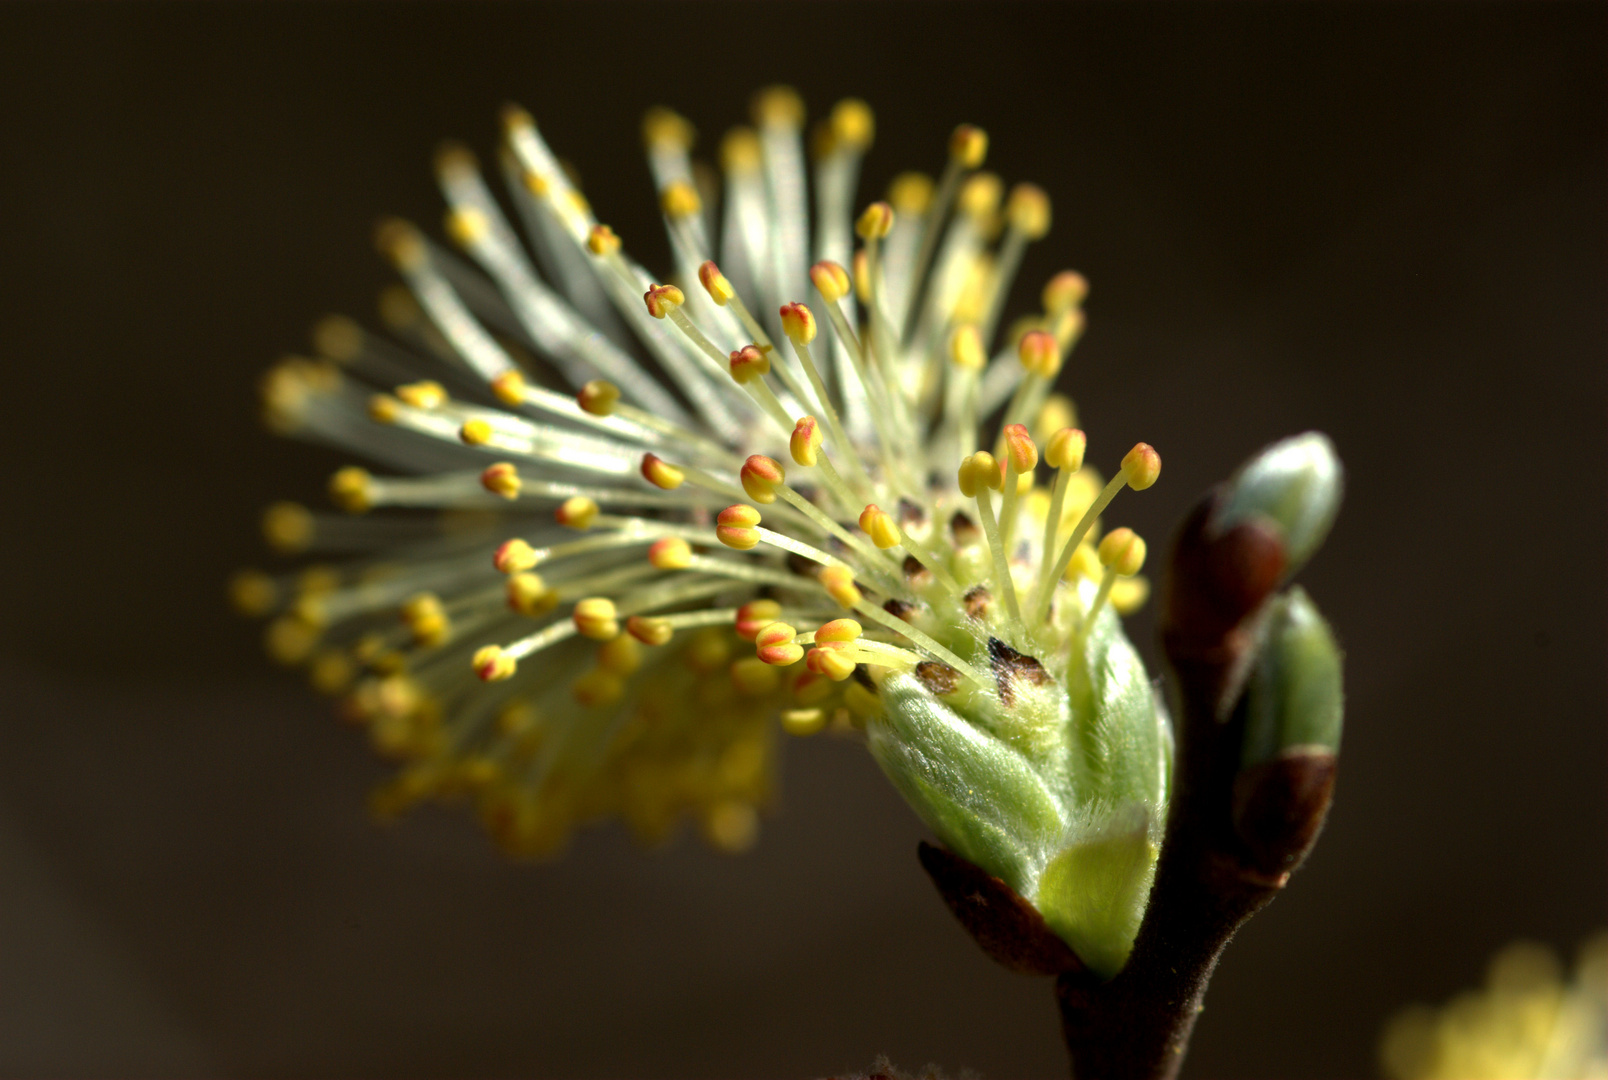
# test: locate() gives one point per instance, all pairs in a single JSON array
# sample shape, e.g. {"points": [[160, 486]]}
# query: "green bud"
{"points": [[1293, 705], [1296, 484], [1294, 696], [1053, 779]]}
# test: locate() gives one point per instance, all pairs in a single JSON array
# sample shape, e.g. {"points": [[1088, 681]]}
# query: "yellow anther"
{"points": [[754, 616], [731, 826], [668, 128], [839, 630], [679, 199], [670, 553], [595, 617], [663, 299], [1066, 449], [980, 471], [423, 615], [754, 678], [1085, 562], [288, 527], [514, 556], [805, 443], [599, 686], [798, 321], [809, 688], [740, 150], [911, 193], [830, 280], [1129, 594], [621, 655], [467, 225], [749, 363], [839, 584], [1141, 465], [774, 645], [598, 397], [1123, 550], [528, 594], [735, 527], [833, 660], [979, 196], [509, 386], [802, 722], [966, 348], [1020, 449], [331, 672], [576, 199], [1065, 291], [875, 523], [502, 479], [475, 432], [253, 592], [968, 146], [602, 241], [516, 119], [350, 488], [853, 124], [875, 222], [778, 106], [660, 473], [576, 512], [760, 476], [339, 338], [1040, 353], [384, 409], [1056, 413], [715, 283], [398, 308], [862, 277], [492, 664], [422, 395], [288, 640], [535, 183], [1028, 210], [709, 650], [401, 243], [649, 631]]}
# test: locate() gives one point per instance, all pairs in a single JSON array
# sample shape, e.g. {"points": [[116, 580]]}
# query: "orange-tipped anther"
{"points": [[715, 283], [670, 553], [649, 631], [878, 525], [514, 556], [663, 299], [832, 660], [1123, 550], [660, 473], [1040, 353], [830, 280], [492, 664], [1028, 210], [602, 241], [875, 222], [805, 443], [596, 618], [838, 630], [839, 584], [1065, 291], [755, 616], [968, 145], [1066, 449], [1020, 449], [760, 476], [1141, 465], [735, 527], [502, 479], [576, 512], [799, 323], [679, 199], [749, 363]]}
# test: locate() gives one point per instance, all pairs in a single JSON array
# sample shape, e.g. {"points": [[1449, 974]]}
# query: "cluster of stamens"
{"points": [[606, 588]]}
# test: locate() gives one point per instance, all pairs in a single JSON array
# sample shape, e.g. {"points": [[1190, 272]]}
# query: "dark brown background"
{"points": [[1383, 221]]}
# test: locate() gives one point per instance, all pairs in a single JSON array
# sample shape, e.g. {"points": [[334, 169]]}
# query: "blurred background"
{"points": [[1383, 221]]}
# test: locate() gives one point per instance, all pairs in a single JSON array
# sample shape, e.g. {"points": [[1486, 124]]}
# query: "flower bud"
{"points": [[1295, 484]]}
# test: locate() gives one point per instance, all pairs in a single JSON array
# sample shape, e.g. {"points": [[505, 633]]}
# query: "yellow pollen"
{"points": [[1028, 211], [422, 395], [740, 150], [715, 283], [832, 660], [475, 432], [660, 473], [876, 524], [467, 226], [649, 631], [1065, 450], [668, 128], [680, 200], [875, 222], [602, 241], [1022, 453], [778, 106], [528, 594], [853, 124], [384, 409], [805, 442], [749, 363], [492, 664], [839, 630], [911, 193], [509, 386], [979, 471], [1065, 291], [761, 476], [1141, 465], [802, 722], [968, 146], [980, 195], [966, 348], [799, 322], [755, 616], [830, 280], [735, 527], [663, 299], [862, 277], [839, 584], [1123, 550], [1040, 353]]}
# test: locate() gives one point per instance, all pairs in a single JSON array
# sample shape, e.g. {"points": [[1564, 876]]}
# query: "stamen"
{"points": [[977, 475], [1122, 553], [1140, 468]]}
